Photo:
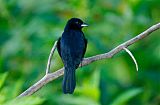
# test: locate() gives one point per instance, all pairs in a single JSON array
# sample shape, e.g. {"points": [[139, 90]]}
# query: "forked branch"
{"points": [[52, 76]]}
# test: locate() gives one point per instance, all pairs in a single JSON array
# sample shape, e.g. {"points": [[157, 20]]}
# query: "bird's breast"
{"points": [[73, 41]]}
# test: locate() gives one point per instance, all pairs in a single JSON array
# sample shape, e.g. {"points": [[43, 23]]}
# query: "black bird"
{"points": [[71, 48]]}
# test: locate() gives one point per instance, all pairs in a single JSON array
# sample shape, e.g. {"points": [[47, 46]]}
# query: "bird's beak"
{"points": [[84, 25]]}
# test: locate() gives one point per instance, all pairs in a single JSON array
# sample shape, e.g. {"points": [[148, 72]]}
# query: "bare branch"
{"points": [[50, 57], [131, 55], [52, 76]]}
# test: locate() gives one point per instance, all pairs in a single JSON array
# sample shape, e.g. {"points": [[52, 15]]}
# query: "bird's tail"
{"points": [[69, 81]]}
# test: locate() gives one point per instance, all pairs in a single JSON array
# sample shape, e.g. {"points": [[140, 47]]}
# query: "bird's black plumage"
{"points": [[71, 48]]}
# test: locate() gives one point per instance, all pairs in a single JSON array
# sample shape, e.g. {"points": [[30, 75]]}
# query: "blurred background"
{"points": [[28, 29]]}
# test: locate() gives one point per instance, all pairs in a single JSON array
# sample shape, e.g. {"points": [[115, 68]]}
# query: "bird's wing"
{"points": [[58, 46], [84, 50], [85, 42]]}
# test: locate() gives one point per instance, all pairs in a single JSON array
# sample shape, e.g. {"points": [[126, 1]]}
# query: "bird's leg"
{"points": [[81, 64]]}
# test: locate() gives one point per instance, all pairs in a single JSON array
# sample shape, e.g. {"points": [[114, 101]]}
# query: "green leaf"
{"points": [[126, 96], [73, 100], [3, 78], [25, 101]]}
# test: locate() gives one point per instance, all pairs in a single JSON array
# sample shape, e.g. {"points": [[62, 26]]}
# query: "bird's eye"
{"points": [[77, 22]]}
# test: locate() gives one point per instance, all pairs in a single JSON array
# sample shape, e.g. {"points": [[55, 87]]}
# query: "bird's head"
{"points": [[76, 24]]}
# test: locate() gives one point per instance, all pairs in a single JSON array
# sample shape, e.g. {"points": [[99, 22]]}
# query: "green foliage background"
{"points": [[28, 29]]}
